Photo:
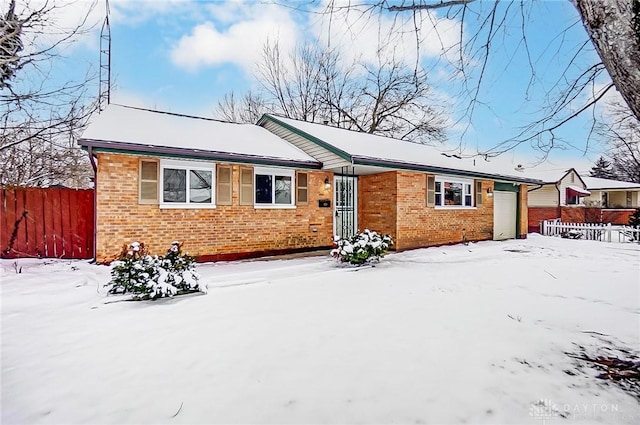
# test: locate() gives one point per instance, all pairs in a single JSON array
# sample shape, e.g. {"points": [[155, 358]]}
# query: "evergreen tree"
{"points": [[634, 219], [602, 169]]}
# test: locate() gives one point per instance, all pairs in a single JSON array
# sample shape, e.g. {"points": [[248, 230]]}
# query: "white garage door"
{"points": [[504, 215]]}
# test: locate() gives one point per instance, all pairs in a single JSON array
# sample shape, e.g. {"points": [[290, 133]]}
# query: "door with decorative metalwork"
{"points": [[345, 223]]}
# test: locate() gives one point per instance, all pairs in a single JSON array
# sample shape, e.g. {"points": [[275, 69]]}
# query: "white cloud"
{"points": [[238, 38], [238, 29]]}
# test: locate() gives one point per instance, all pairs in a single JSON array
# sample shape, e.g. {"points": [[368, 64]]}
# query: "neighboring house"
{"points": [[414, 192], [572, 198], [232, 191], [617, 199]]}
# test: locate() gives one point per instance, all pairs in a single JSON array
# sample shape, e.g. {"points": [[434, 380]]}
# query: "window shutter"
{"points": [[246, 186], [224, 185], [302, 183], [431, 191], [148, 186], [478, 193]]}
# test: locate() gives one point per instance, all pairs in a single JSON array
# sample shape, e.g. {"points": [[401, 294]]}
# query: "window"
{"points": [[273, 188], [478, 193], [431, 191], [148, 187], [224, 185], [302, 184], [187, 184], [246, 186], [573, 199], [453, 192]]}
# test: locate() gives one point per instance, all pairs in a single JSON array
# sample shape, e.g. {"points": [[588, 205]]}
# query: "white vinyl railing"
{"points": [[590, 231]]}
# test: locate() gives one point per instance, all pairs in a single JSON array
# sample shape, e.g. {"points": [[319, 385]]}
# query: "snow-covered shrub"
{"points": [[150, 277], [362, 248]]}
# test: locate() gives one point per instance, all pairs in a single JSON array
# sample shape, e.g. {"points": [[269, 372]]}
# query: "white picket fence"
{"points": [[590, 231]]}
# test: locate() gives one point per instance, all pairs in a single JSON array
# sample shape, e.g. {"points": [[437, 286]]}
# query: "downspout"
{"points": [[92, 159], [559, 207]]}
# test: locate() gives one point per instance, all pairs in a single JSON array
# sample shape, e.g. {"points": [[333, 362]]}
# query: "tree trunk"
{"points": [[614, 28]]}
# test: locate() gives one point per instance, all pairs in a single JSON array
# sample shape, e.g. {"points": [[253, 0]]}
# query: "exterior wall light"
{"points": [[327, 185], [489, 192]]}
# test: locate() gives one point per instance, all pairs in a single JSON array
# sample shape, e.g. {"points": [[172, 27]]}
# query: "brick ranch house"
{"points": [[233, 191], [576, 199]]}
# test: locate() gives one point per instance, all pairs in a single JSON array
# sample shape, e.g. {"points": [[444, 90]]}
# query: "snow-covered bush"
{"points": [[362, 248], [150, 277]]}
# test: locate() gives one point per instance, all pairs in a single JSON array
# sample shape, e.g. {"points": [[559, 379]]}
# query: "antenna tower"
{"points": [[105, 62]]}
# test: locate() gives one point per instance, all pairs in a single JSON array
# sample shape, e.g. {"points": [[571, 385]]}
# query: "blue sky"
{"points": [[183, 56]]}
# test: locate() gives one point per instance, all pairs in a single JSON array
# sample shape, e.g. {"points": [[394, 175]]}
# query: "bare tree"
{"points": [[291, 83], [388, 100], [40, 118], [248, 108], [622, 135], [314, 85], [612, 27]]}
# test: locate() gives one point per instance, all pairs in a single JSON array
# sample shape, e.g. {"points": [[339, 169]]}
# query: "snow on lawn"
{"points": [[459, 334]]}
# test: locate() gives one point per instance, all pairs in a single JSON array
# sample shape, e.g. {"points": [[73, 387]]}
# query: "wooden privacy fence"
{"points": [[590, 231], [46, 222]]}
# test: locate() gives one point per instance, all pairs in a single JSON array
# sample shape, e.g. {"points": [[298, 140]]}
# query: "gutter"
{"points": [[92, 159], [132, 148]]}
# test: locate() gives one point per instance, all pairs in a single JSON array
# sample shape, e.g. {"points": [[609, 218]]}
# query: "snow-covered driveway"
{"points": [[459, 334]]}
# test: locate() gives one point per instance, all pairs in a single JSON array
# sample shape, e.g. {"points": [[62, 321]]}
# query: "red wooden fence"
{"points": [[46, 222]]}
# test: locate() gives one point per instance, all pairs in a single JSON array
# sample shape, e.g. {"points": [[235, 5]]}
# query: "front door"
{"points": [[345, 201]]}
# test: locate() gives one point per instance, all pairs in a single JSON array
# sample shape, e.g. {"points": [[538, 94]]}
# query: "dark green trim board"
{"points": [[506, 187], [160, 151], [342, 154]]}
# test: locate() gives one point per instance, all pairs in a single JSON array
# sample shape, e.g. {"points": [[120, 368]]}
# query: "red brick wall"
{"points": [[577, 215], [411, 223], [224, 232], [377, 202], [593, 215], [573, 214], [537, 214], [616, 216]]}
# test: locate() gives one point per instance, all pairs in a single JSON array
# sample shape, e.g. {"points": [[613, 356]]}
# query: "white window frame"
{"points": [[187, 165], [470, 183], [273, 172]]}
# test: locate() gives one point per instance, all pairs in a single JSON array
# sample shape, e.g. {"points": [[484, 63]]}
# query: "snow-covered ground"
{"points": [[458, 334]]}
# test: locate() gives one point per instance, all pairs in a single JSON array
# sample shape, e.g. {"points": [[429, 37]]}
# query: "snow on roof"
{"points": [[579, 190], [374, 147], [547, 175], [145, 129], [594, 183]]}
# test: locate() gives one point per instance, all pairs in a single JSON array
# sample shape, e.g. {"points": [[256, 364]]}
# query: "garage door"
{"points": [[504, 215]]}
